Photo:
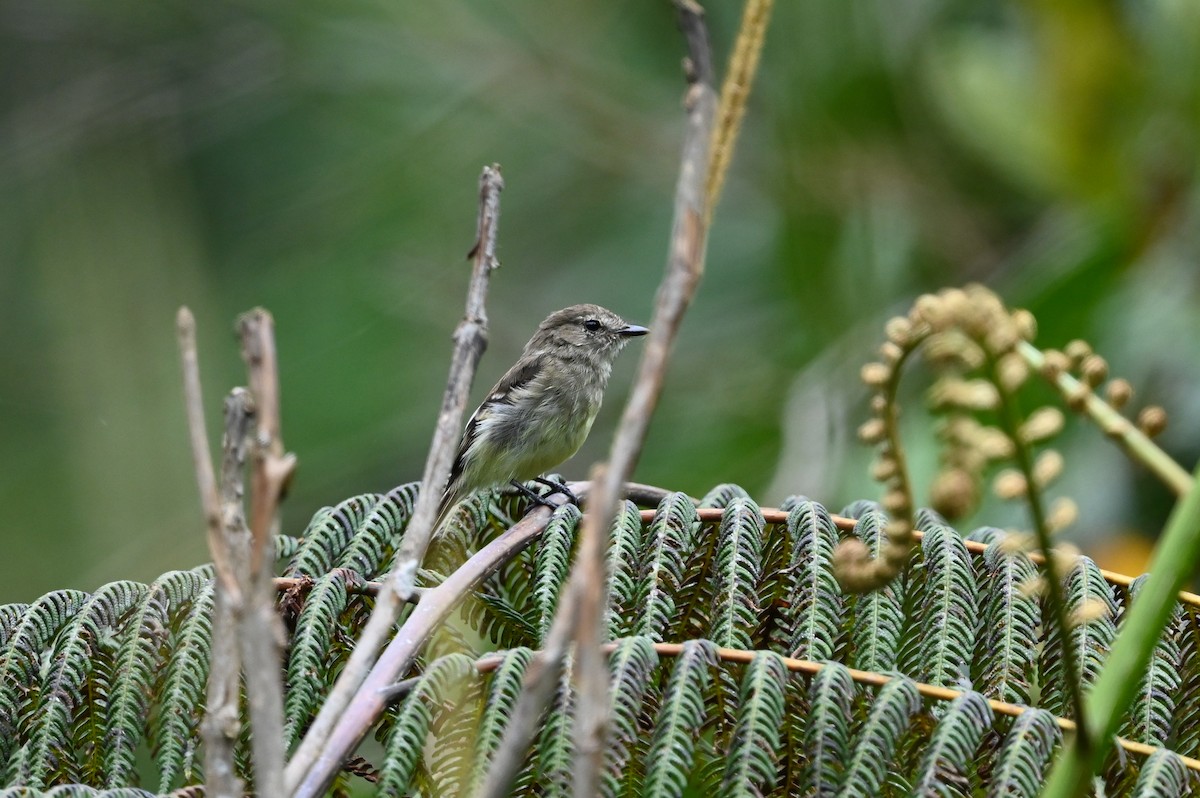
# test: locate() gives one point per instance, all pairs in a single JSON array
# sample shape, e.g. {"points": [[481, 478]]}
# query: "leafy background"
{"points": [[320, 158]]}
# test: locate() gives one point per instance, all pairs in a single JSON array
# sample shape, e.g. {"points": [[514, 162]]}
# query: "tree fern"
{"points": [[877, 737], [631, 666], [503, 692], [827, 733], [736, 574], [624, 544], [1090, 600], [813, 599], [879, 615], [949, 615], [552, 564], [750, 763], [679, 718], [671, 533], [1022, 761], [1008, 624], [949, 756], [406, 740], [1163, 775], [1148, 719], [555, 746]]}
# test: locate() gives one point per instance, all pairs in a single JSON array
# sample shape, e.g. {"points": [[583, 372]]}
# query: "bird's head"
{"points": [[590, 328]]}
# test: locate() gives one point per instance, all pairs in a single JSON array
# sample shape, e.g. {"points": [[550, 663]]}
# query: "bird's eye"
{"points": [[591, 325]]}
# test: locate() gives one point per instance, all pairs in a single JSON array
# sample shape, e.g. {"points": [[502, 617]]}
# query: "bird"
{"points": [[541, 410]]}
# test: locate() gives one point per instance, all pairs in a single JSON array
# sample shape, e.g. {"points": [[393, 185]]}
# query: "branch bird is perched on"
{"points": [[540, 412]]}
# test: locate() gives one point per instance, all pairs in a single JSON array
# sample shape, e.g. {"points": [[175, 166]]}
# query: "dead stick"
{"points": [[312, 764]]}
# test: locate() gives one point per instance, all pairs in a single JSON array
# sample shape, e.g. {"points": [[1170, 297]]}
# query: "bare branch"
{"points": [[273, 468], [222, 720], [206, 479], [311, 764]]}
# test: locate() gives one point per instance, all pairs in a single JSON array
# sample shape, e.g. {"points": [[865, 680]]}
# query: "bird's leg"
{"points": [[532, 496], [559, 488]]}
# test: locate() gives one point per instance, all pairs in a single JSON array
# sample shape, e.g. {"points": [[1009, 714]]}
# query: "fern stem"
{"points": [[1136, 444], [1173, 561], [1010, 423]]}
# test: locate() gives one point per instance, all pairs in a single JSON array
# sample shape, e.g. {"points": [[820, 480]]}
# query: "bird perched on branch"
{"points": [[540, 412]]}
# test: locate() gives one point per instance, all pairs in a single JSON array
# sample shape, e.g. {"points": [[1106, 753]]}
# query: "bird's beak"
{"points": [[633, 329]]}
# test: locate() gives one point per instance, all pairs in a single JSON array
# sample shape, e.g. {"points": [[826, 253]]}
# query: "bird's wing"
{"points": [[521, 374]]}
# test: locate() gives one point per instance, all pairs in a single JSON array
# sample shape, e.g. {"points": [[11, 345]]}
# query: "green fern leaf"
{"points": [[737, 572], [406, 742], [813, 597], [1163, 775], [672, 744], [754, 748], [555, 747], [1149, 717], [1090, 639], [503, 691], [137, 661], [327, 535], [879, 615], [552, 565], [624, 544], [672, 532], [369, 550], [61, 689], [724, 495], [949, 756], [1008, 627], [181, 689], [875, 743], [1023, 756], [1185, 731], [827, 733], [948, 612], [631, 666], [20, 663]]}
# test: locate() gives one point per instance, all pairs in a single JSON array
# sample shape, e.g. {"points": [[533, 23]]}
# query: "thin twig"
{"points": [[273, 467], [314, 765], [222, 721], [435, 605], [206, 478], [260, 632]]}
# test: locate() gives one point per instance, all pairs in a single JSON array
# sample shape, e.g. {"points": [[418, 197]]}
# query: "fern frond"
{"points": [[723, 495], [631, 667], [671, 532], [503, 692], [949, 756], [1148, 719], [1090, 638], [309, 656], [328, 534], [625, 542], [1023, 757], [754, 747], [948, 613], [736, 574], [377, 535], [181, 690], [672, 744], [1005, 660], [876, 740], [1163, 775], [137, 661], [555, 747], [879, 615], [20, 663], [827, 733], [987, 535], [1185, 731], [406, 741], [813, 598], [61, 690], [552, 564]]}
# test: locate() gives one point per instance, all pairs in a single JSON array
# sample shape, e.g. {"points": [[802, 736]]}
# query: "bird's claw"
{"points": [[559, 488]]}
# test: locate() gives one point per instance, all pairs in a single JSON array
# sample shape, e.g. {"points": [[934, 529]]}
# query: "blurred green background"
{"points": [[320, 158]]}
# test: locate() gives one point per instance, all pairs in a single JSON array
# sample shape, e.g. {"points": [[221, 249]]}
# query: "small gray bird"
{"points": [[540, 412]]}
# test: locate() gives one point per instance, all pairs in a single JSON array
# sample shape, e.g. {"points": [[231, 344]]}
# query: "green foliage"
{"points": [[91, 681]]}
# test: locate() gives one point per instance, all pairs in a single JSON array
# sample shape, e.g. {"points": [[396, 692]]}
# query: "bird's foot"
{"points": [[559, 488], [533, 496]]}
